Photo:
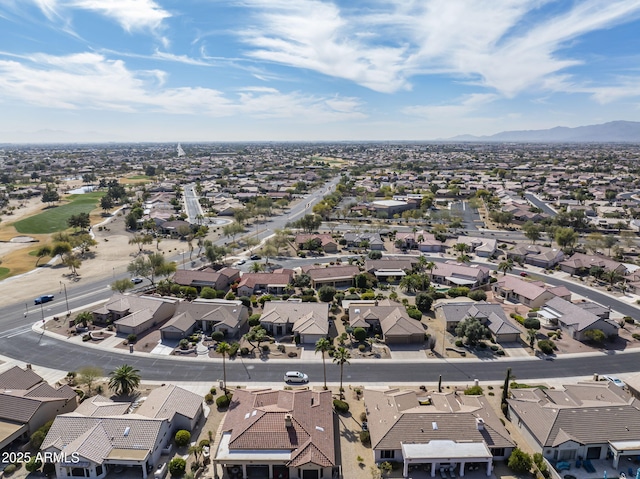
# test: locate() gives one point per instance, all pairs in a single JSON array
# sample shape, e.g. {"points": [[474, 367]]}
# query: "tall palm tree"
{"points": [[430, 266], [124, 380], [224, 348], [532, 335], [322, 346], [505, 266], [341, 357]]}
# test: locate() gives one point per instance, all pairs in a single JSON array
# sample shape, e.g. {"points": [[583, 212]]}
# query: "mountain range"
{"points": [[611, 132]]}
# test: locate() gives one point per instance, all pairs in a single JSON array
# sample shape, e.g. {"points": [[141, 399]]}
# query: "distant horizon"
{"points": [[312, 70]]}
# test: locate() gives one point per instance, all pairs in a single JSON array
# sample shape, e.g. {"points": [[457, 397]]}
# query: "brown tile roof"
{"points": [[94, 438], [254, 415], [18, 378], [333, 272], [167, 401], [100, 406], [586, 413], [396, 416]]}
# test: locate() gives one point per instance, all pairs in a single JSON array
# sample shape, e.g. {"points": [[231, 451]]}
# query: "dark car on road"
{"points": [[45, 298], [255, 257]]}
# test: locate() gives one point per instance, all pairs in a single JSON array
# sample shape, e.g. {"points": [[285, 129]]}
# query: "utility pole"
{"points": [[66, 298]]}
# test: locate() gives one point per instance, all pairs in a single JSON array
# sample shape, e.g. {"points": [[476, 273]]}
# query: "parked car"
{"points": [[255, 256], [615, 380], [241, 262], [523, 274], [295, 377], [45, 298]]}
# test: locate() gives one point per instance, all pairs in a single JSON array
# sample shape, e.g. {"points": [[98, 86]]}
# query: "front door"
{"points": [[594, 452]]}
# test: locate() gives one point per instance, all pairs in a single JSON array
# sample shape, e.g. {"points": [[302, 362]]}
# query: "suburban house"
{"points": [[298, 424], [208, 315], [336, 276], [489, 314], [27, 403], [452, 273], [449, 431], [374, 240], [389, 208], [536, 255], [580, 264], [484, 247], [576, 319], [101, 438], [421, 240], [391, 321], [174, 227], [593, 420], [253, 283], [385, 268], [218, 280], [310, 321], [533, 294], [133, 314], [326, 242]]}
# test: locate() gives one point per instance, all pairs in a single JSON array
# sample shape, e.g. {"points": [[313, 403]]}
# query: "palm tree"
{"points": [[505, 266], [84, 318], [124, 380], [224, 348], [322, 346], [341, 357], [532, 336], [612, 276]]}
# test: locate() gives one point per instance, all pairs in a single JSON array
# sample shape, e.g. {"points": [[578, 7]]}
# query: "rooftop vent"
{"points": [[288, 420], [480, 424], [126, 431], [434, 425]]}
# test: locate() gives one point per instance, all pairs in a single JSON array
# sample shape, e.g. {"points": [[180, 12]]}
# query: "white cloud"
{"points": [[508, 46], [89, 81], [130, 14], [465, 106]]}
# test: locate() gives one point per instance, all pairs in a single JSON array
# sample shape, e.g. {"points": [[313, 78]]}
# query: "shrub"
{"points": [[233, 349], [132, 338], [363, 416], [368, 296], [518, 318], [10, 469], [519, 461], [182, 438], [208, 293], [361, 348], [326, 293], [204, 442], [500, 352], [635, 336], [341, 406], [595, 335], [365, 438], [245, 300], [459, 343], [254, 320], [375, 254], [177, 466], [473, 391], [458, 291], [208, 398], [244, 351], [184, 344], [217, 336], [282, 348], [360, 334], [414, 313], [37, 438], [33, 464], [213, 390], [494, 348], [265, 348], [478, 295], [546, 346], [292, 354], [223, 401], [531, 323], [482, 345], [86, 338]]}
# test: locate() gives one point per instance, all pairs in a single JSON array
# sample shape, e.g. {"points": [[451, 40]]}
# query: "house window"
{"points": [[98, 470], [498, 451], [387, 454]]}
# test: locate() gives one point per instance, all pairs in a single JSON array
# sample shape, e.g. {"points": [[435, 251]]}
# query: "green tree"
{"points": [[50, 195], [43, 252], [223, 349], [519, 461], [595, 335], [532, 335], [424, 302], [323, 345], [341, 357], [177, 466], [472, 329], [87, 376], [505, 266], [326, 293], [84, 318], [532, 231], [124, 380], [566, 237], [121, 285], [106, 203]]}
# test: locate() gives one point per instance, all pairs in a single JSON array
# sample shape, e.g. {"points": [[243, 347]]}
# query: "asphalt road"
{"points": [[533, 199]]}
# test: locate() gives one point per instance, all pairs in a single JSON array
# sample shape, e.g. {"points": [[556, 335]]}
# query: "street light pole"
{"points": [[66, 298]]}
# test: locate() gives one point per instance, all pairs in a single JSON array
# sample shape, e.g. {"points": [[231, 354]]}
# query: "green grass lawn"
{"points": [[55, 219], [4, 272]]}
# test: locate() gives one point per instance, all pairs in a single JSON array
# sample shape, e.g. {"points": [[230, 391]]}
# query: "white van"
{"points": [[295, 377]]}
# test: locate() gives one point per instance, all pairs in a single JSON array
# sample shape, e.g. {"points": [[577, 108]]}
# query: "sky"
{"points": [[312, 70]]}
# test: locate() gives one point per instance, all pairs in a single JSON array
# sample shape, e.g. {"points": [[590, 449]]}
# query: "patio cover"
{"points": [[446, 451], [460, 281]]}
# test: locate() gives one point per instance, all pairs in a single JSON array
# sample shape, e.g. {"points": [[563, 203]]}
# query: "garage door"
{"points": [[310, 475], [258, 472]]}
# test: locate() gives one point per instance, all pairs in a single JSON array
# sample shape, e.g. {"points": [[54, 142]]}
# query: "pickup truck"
{"points": [[45, 298]]}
